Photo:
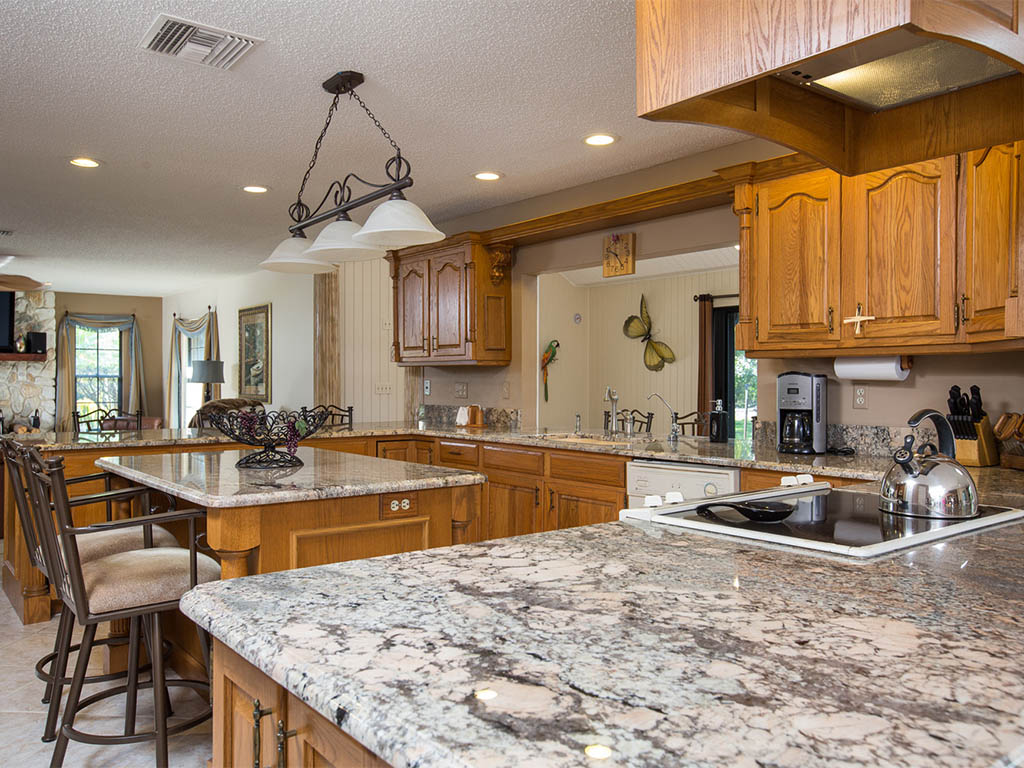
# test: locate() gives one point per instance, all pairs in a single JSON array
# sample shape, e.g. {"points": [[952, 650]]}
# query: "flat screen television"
{"points": [[6, 321]]}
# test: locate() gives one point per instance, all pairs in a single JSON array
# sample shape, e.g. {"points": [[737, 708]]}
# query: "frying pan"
{"points": [[755, 511]]}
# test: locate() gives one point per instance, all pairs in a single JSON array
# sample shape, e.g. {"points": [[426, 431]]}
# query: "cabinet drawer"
{"points": [[462, 454], [514, 460], [589, 469]]}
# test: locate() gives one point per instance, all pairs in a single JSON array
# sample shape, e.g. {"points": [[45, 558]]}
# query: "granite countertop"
{"points": [[211, 479], [696, 450], [668, 647]]}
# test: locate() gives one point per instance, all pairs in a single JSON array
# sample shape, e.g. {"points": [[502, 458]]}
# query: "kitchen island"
{"points": [[653, 646]]}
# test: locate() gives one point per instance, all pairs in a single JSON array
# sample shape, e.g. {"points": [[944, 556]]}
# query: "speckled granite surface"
{"points": [[756, 455], [211, 479], [671, 649]]}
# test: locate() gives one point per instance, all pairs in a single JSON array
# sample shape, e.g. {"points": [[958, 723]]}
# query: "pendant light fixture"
{"points": [[396, 223]]}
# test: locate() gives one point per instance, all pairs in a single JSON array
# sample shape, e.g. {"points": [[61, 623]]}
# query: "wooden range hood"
{"points": [[858, 85]]}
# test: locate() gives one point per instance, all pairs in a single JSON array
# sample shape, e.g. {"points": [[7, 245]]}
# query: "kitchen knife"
{"points": [[976, 410], [954, 400]]}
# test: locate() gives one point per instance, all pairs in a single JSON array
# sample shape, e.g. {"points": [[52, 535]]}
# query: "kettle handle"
{"points": [[947, 445]]}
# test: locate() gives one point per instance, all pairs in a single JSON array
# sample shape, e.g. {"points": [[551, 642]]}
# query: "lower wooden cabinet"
{"points": [[760, 479], [417, 451], [513, 505], [360, 445], [252, 715], [572, 504]]}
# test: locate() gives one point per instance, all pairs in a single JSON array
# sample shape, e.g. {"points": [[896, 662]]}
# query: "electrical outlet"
{"points": [[506, 390], [383, 389], [860, 396], [387, 325], [426, 387], [462, 390]]}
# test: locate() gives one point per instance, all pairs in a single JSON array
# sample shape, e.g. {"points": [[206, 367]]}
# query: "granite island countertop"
{"points": [[211, 478], [668, 647]]}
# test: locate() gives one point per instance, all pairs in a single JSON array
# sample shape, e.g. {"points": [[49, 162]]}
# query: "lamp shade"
{"points": [[207, 372], [290, 257], [397, 223], [334, 244]]}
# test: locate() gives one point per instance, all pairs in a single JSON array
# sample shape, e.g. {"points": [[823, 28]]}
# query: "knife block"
{"points": [[981, 452]]}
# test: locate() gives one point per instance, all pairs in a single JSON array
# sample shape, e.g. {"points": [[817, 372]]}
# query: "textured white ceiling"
{"points": [[697, 261], [462, 85]]}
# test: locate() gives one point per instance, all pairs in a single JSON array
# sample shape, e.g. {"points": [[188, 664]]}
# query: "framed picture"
{"points": [[254, 363]]}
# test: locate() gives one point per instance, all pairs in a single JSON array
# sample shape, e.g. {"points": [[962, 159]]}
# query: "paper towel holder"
{"points": [[898, 367]]}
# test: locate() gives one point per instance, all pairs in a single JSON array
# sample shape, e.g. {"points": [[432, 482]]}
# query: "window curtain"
{"points": [[205, 328], [133, 385], [705, 357]]}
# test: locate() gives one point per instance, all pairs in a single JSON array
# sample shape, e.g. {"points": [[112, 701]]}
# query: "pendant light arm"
{"points": [[382, 191]]}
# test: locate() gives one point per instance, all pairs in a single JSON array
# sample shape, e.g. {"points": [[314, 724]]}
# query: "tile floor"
{"points": [[22, 715]]}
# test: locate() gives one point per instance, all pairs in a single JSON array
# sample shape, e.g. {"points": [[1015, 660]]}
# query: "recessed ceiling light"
{"points": [[487, 176], [486, 694], [600, 139], [737, 246], [256, 189], [84, 162], [597, 751]]}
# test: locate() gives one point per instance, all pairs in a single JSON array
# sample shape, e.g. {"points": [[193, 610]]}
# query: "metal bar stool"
{"points": [[108, 542], [136, 585]]}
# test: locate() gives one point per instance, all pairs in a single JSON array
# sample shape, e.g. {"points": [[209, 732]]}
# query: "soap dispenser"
{"points": [[717, 426]]}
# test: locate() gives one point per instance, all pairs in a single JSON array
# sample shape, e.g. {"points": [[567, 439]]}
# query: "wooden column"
{"points": [[326, 339]]}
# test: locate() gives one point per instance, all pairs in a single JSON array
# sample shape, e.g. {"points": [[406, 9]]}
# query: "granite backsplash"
{"points": [[864, 440], [445, 415]]}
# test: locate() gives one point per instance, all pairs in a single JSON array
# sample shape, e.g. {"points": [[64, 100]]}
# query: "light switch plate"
{"points": [[426, 387], [860, 396], [383, 389], [461, 390], [506, 390]]}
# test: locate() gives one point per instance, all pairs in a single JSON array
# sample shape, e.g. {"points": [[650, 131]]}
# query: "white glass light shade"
{"points": [[334, 244], [397, 223], [290, 256]]}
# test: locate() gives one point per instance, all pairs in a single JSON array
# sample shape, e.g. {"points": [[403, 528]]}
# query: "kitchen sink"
{"points": [[594, 440]]}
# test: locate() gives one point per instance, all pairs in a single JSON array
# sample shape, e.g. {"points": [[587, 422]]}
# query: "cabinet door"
{"points": [[413, 309], [991, 221], [448, 304], [899, 254], [797, 247], [424, 451], [513, 504], [396, 450], [571, 505], [319, 743], [237, 686]]}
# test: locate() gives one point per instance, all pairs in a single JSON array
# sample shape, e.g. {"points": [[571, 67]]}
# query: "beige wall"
{"points": [[291, 297], [890, 403], [570, 385], [148, 312]]}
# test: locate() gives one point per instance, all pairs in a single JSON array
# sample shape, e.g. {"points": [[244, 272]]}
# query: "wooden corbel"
{"points": [[502, 256]]}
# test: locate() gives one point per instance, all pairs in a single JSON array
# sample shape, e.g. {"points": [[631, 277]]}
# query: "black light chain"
{"points": [[366, 109], [300, 210]]}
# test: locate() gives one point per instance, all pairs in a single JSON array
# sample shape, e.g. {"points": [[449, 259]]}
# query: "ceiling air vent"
{"points": [[6, 232], [197, 43]]}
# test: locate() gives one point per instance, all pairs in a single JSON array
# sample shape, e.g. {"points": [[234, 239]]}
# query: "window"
{"points": [[735, 377], [190, 395], [97, 369]]}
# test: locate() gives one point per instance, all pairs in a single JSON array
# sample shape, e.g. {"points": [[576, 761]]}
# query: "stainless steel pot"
{"points": [[930, 483]]}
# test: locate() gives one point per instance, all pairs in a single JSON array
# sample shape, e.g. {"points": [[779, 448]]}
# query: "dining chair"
{"points": [[695, 421], [104, 543], [137, 585], [340, 418], [642, 420], [118, 419], [89, 421]]}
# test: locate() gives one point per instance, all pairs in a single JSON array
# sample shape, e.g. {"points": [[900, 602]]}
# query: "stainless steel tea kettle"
{"points": [[930, 483]]}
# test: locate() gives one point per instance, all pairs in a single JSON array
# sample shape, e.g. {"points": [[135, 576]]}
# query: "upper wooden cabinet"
{"points": [[991, 222], [926, 256], [797, 240], [452, 304], [899, 254], [860, 85]]}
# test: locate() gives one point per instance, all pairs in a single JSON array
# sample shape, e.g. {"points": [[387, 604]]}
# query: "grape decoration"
{"points": [[270, 430]]}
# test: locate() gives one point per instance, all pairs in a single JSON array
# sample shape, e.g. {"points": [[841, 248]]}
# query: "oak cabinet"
{"points": [[513, 505], [797, 238], [571, 504], [991, 226], [899, 254], [417, 451], [452, 304]]}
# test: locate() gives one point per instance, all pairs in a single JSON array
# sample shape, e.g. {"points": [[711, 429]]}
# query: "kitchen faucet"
{"points": [[673, 432], [612, 396]]}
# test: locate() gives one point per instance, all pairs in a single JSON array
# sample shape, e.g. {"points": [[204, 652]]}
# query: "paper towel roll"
{"points": [[870, 368]]}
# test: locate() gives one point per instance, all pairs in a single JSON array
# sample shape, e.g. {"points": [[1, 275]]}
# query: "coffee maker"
{"points": [[801, 412]]}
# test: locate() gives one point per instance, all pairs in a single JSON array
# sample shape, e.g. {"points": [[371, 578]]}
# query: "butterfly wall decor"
{"points": [[656, 353]]}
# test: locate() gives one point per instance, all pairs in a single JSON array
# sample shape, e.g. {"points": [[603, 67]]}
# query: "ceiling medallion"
{"points": [[395, 223]]}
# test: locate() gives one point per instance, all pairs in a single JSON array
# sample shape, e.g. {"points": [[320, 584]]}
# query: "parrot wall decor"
{"points": [[656, 353], [545, 360]]}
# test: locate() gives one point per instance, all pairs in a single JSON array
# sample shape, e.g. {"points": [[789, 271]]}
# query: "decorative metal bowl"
{"points": [[270, 430]]}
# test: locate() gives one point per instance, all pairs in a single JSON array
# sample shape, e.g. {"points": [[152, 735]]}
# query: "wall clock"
{"points": [[619, 255]]}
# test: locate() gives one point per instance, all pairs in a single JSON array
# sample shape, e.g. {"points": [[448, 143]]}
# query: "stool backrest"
{"points": [[14, 463]]}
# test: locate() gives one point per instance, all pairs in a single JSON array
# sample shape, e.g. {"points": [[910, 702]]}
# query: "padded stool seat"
{"points": [[98, 545], [142, 577]]}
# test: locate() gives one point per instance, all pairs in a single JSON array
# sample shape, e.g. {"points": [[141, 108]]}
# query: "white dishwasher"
{"points": [[693, 481]]}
